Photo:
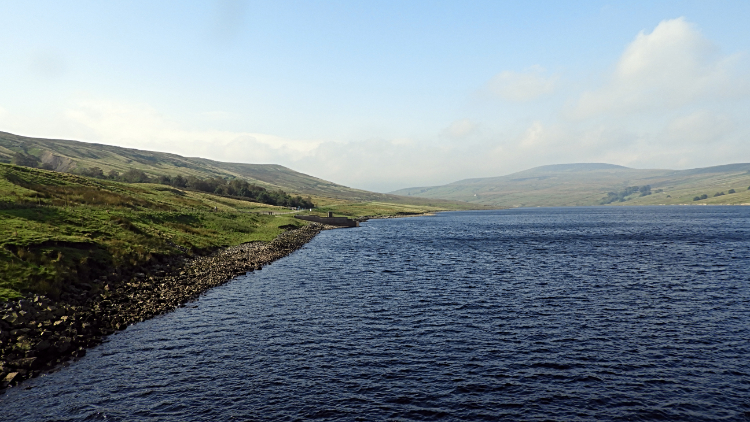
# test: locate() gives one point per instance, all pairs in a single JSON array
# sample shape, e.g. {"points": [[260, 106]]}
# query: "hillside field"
{"points": [[57, 228], [598, 184]]}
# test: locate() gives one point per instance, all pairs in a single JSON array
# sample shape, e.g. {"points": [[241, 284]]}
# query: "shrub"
{"points": [[24, 160], [704, 196], [91, 172], [135, 176], [719, 194], [731, 191], [697, 198], [179, 181], [164, 180], [622, 195]]}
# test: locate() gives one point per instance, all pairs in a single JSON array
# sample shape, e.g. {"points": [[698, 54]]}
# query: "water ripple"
{"points": [[536, 314]]}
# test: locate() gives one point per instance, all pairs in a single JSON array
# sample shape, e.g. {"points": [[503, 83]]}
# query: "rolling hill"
{"points": [[70, 156], [591, 183]]}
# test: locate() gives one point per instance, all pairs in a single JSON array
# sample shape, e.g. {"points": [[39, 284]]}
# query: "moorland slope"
{"points": [[599, 184], [75, 156]]}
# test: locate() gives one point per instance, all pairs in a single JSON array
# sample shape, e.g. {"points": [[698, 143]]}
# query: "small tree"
{"points": [[164, 180], [135, 176], [91, 172], [179, 181]]}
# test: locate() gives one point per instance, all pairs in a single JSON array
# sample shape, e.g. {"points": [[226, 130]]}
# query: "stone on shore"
{"points": [[39, 333]]}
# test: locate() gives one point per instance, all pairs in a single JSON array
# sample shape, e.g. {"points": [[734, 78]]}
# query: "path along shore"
{"points": [[38, 334]]}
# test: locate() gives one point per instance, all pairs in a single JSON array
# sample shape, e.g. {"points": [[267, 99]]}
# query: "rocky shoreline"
{"points": [[37, 334]]}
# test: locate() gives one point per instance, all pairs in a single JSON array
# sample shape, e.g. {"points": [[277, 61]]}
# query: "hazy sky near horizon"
{"points": [[383, 95]]}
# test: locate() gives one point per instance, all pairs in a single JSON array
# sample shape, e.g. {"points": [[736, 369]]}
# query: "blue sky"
{"points": [[383, 95]]}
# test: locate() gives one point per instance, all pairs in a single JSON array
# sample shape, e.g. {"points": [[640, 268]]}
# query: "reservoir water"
{"points": [[602, 313]]}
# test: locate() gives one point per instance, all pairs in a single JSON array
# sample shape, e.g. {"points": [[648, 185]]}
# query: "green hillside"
{"points": [[59, 230], [75, 156], [597, 184]]}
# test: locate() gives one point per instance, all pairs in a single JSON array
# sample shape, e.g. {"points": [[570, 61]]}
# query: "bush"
{"points": [[697, 198], [24, 160], [164, 180], [179, 181], [135, 176], [622, 195], [704, 196], [91, 172], [731, 191], [719, 194]]}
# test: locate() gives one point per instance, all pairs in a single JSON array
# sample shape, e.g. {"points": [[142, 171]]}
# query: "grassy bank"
{"points": [[57, 229]]}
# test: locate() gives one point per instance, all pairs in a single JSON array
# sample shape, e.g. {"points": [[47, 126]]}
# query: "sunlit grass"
{"points": [[57, 228]]}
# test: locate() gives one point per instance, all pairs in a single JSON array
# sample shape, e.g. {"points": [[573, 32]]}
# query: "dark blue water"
{"points": [[628, 313]]}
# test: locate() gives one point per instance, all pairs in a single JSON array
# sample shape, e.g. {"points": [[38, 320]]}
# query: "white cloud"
{"points": [[461, 128], [534, 137], [141, 126], [672, 100], [699, 128], [671, 67], [522, 86]]}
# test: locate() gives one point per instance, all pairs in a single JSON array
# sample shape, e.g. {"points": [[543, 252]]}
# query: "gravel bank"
{"points": [[37, 334]]}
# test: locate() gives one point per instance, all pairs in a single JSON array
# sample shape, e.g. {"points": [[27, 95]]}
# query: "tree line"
{"points": [[216, 185], [622, 195], [704, 196]]}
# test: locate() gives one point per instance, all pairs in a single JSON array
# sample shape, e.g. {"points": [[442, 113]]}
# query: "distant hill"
{"points": [[71, 156], [598, 183]]}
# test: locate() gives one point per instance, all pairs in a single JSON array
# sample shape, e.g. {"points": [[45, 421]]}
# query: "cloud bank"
{"points": [[672, 99], [672, 67]]}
